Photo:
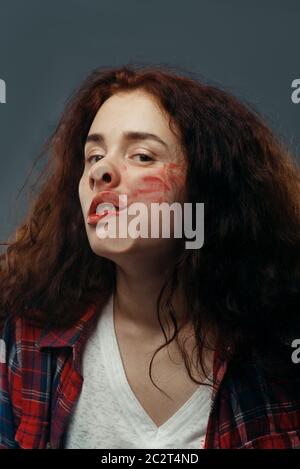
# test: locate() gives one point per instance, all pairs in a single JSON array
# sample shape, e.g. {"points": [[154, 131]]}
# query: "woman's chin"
{"points": [[108, 247]]}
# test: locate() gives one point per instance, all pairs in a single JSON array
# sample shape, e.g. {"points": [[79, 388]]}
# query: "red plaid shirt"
{"points": [[40, 382]]}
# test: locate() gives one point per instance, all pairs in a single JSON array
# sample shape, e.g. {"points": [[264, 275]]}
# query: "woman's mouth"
{"points": [[102, 210]]}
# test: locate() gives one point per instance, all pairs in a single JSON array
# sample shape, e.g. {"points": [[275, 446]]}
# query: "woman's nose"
{"points": [[103, 175]]}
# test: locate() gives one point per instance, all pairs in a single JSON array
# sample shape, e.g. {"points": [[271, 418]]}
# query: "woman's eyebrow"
{"points": [[129, 136]]}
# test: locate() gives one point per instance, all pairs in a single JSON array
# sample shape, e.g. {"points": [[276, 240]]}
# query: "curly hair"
{"points": [[244, 281]]}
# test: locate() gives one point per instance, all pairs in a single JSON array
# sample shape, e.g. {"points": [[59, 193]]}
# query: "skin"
{"points": [[140, 263]]}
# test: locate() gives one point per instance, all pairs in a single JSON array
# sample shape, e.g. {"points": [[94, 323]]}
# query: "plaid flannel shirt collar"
{"points": [[73, 336]]}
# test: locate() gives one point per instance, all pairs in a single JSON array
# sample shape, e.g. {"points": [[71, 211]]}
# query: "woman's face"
{"points": [[120, 161]]}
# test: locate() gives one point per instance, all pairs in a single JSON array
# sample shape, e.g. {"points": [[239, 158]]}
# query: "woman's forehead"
{"points": [[134, 111]]}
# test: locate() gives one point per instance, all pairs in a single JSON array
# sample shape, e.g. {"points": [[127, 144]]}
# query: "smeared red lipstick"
{"points": [[94, 218], [102, 197]]}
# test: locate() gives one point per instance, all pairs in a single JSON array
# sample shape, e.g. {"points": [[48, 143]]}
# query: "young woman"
{"points": [[139, 342]]}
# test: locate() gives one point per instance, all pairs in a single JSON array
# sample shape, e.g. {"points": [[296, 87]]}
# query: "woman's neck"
{"points": [[135, 300]]}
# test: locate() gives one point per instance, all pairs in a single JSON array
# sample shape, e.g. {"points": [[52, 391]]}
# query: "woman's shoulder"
{"points": [[25, 336], [18, 329], [19, 336], [260, 408], [261, 383]]}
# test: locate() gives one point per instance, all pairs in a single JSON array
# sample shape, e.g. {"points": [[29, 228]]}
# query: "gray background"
{"points": [[249, 47]]}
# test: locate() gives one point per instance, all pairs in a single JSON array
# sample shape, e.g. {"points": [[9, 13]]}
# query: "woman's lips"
{"points": [[95, 217]]}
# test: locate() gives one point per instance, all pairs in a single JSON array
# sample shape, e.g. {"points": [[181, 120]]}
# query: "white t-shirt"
{"points": [[108, 415]]}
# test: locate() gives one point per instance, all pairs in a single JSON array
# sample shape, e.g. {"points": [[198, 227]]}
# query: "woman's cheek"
{"points": [[83, 192], [162, 185]]}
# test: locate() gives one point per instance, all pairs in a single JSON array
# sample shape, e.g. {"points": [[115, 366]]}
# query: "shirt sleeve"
{"points": [[10, 378]]}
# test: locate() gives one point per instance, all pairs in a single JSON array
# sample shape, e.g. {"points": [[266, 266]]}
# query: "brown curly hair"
{"points": [[243, 283]]}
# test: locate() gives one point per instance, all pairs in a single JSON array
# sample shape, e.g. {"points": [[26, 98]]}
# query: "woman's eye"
{"points": [[144, 158], [89, 159]]}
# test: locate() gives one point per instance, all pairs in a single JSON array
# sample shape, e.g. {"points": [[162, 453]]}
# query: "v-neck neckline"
{"points": [[140, 415]]}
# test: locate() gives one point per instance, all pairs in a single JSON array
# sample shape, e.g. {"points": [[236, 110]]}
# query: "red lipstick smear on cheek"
{"points": [[176, 173], [159, 187], [156, 184]]}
